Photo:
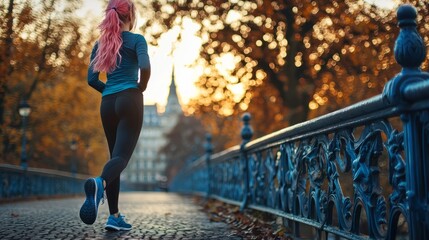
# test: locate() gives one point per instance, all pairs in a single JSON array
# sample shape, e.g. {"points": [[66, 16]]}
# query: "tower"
{"points": [[173, 110], [173, 106]]}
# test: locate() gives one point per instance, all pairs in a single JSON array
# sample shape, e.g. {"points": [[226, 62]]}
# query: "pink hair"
{"points": [[118, 12]]}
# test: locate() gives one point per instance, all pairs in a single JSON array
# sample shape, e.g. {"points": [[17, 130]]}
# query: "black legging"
{"points": [[122, 115]]}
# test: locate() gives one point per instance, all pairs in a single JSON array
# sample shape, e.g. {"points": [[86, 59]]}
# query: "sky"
{"points": [[162, 61]]}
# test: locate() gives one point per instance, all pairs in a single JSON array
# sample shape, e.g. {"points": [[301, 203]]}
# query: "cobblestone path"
{"points": [[153, 216]]}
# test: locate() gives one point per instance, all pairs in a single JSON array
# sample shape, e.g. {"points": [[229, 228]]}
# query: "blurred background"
{"points": [[282, 61]]}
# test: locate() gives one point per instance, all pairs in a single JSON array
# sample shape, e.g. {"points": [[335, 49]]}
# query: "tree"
{"points": [[292, 59], [43, 59], [184, 143]]}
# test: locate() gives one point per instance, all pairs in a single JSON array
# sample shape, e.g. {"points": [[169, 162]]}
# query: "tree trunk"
{"points": [[8, 44]]}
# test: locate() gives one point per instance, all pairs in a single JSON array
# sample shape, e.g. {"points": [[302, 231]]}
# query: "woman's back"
{"points": [[133, 56]]}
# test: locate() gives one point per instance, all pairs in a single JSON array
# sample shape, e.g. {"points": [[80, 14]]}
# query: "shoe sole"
{"points": [[115, 228], [88, 211]]}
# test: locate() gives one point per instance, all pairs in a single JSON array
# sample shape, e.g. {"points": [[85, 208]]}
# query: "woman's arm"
{"points": [[143, 61], [93, 77], [144, 78]]}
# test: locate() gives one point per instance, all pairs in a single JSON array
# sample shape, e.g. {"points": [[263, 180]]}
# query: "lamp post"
{"points": [[73, 147], [24, 110]]}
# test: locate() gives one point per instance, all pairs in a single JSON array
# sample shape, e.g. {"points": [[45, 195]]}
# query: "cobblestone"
{"points": [[153, 216]]}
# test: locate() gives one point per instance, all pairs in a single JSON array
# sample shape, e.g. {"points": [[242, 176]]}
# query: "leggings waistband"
{"points": [[123, 92]]}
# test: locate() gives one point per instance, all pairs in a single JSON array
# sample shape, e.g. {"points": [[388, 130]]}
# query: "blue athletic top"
{"points": [[134, 56]]}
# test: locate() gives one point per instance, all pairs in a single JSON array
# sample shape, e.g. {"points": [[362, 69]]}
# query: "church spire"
{"points": [[173, 105], [173, 84]]}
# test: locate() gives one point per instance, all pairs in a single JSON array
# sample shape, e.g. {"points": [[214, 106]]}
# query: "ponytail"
{"points": [[107, 56]]}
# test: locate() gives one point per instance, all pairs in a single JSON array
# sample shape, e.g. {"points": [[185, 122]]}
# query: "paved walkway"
{"points": [[153, 215]]}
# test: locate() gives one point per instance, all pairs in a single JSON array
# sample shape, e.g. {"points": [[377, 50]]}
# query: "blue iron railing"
{"points": [[17, 183], [326, 174]]}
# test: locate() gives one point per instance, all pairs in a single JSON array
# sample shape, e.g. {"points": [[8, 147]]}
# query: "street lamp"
{"points": [[73, 147], [24, 110]]}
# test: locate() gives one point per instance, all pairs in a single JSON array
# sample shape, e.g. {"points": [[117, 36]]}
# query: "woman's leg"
{"points": [[129, 111], [112, 192], [94, 187], [110, 125]]}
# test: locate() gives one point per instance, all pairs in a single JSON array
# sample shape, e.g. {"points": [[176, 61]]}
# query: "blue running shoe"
{"points": [[117, 223], [94, 191]]}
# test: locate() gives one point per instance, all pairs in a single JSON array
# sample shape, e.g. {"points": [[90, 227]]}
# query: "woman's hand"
{"points": [[144, 78], [142, 88]]}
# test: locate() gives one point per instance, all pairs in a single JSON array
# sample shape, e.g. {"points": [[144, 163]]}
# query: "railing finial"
{"points": [[410, 51], [246, 131], [208, 145]]}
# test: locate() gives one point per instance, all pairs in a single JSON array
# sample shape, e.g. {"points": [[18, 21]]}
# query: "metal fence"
{"points": [[324, 176], [17, 183]]}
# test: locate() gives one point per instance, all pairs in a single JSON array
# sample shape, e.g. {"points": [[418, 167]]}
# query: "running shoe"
{"points": [[94, 191], [117, 223]]}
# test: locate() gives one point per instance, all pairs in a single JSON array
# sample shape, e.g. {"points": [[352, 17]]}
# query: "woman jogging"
{"points": [[122, 55]]}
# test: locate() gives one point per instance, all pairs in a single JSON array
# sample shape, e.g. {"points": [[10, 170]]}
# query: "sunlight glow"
{"points": [[386, 4], [184, 53]]}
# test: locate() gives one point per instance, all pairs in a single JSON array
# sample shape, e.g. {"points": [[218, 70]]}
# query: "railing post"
{"points": [[209, 149], [410, 52], [246, 135]]}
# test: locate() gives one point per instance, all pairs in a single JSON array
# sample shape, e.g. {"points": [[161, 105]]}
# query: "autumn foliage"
{"points": [[246, 224], [288, 60], [43, 59]]}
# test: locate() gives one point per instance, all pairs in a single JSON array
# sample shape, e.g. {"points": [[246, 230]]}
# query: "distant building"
{"points": [[147, 165]]}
